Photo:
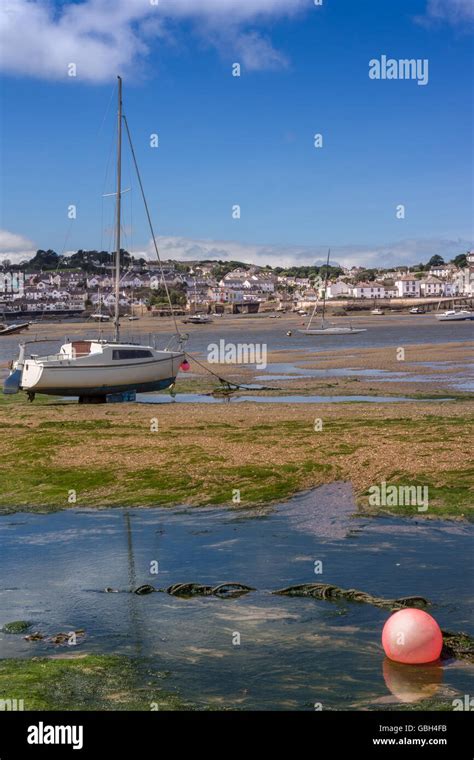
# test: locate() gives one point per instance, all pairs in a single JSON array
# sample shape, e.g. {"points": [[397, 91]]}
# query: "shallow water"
{"points": [[396, 330], [196, 398], [459, 377], [293, 653]]}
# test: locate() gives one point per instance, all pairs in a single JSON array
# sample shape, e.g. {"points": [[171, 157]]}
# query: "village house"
{"points": [[134, 281], [96, 281], [261, 282], [444, 271], [221, 294], [338, 289], [431, 286], [390, 291], [369, 290], [464, 281], [407, 287]]}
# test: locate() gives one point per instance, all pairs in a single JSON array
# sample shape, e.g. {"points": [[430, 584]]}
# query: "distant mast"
{"points": [[325, 287], [118, 213]]}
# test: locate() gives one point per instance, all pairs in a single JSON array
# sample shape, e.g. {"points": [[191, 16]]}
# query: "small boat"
{"points": [[15, 328], [326, 328], [198, 319], [377, 311], [416, 310], [455, 315], [133, 318], [100, 317]]}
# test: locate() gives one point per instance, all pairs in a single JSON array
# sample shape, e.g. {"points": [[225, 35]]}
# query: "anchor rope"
{"points": [[231, 385], [329, 591], [455, 645]]}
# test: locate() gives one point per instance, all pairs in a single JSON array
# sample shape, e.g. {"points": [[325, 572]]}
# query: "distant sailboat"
{"points": [[457, 313], [98, 316], [327, 328], [92, 369]]}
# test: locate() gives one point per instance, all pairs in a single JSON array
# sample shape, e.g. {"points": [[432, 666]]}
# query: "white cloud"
{"points": [[454, 12], [14, 247], [256, 52], [403, 252], [104, 38], [17, 248]]}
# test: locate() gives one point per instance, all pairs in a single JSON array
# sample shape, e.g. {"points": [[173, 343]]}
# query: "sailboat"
{"points": [[197, 318], [327, 328], [457, 313], [98, 316], [92, 369]]}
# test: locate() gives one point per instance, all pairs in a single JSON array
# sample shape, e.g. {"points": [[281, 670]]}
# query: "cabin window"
{"points": [[130, 353]]}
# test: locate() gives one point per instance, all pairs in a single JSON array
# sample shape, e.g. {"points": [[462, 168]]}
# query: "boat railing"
{"points": [[53, 357]]}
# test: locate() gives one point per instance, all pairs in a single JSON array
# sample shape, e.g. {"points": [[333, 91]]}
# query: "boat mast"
{"points": [[325, 286], [118, 213]]}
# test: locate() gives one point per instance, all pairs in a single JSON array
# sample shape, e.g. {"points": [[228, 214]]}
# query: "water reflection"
{"points": [[412, 683]]}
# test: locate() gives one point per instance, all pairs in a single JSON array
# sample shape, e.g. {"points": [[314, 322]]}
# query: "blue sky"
{"points": [[249, 140]]}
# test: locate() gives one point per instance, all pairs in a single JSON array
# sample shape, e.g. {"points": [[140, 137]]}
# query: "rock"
{"points": [[35, 636]]}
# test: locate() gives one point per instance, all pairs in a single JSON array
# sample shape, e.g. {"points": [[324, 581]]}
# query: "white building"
{"points": [[261, 282], [443, 270], [464, 281], [432, 286], [368, 290], [407, 287], [338, 289]]}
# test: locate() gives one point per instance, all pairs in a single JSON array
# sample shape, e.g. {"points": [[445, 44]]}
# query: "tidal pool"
{"points": [[294, 653], [198, 398]]}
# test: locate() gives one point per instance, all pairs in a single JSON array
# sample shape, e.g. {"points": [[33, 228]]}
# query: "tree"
{"points": [[460, 260], [177, 296], [44, 260], [367, 275], [436, 261]]}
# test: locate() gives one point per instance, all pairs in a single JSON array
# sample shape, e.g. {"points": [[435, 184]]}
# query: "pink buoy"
{"points": [[412, 636], [185, 366]]}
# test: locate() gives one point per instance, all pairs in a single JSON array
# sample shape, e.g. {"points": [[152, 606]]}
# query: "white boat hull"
{"points": [[461, 316], [333, 331], [100, 373]]}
